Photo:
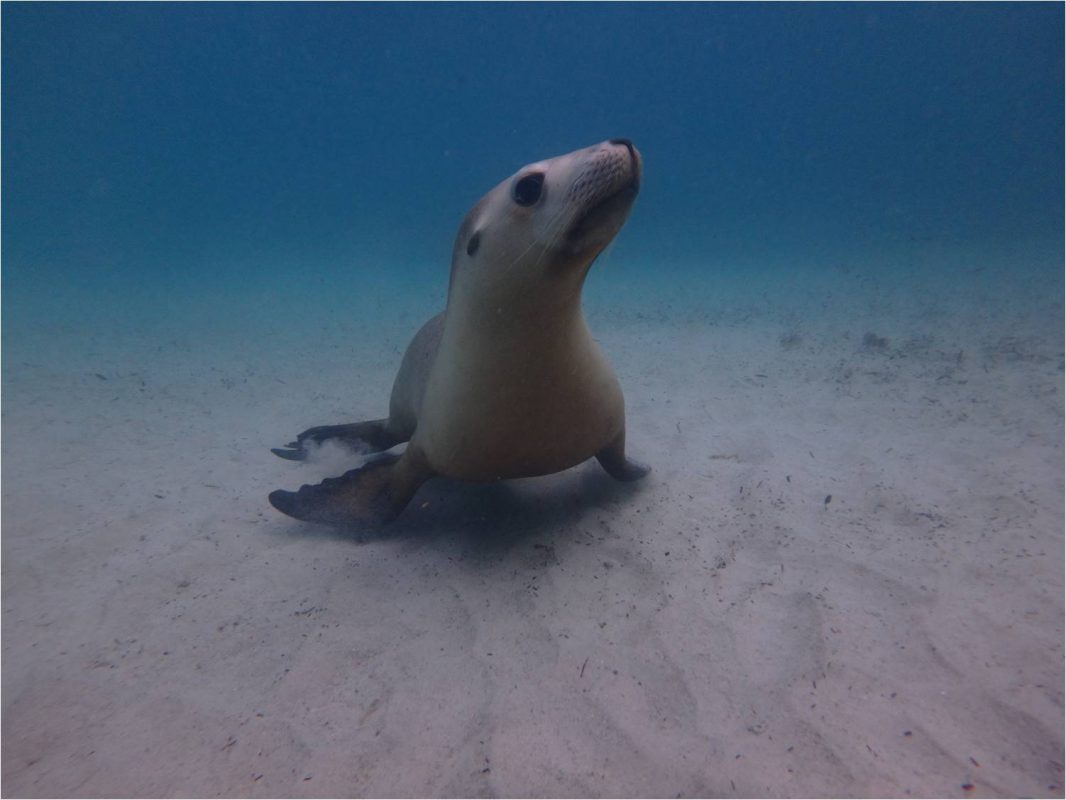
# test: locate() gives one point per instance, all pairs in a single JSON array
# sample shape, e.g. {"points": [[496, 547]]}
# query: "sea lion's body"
{"points": [[521, 407], [507, 382]]}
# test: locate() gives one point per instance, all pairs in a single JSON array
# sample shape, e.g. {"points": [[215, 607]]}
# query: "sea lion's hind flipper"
{"points": [[372, 436], [371, 495], [614, 460]]}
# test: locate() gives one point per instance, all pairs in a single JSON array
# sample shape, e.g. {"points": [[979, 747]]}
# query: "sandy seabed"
{"points": [[844, 576]]}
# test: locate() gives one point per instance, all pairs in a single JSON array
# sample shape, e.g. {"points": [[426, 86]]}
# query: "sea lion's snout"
{"points": [[601, 193]]}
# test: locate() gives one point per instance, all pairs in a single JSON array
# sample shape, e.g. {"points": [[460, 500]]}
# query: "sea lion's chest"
{"points": [[501, 407]]}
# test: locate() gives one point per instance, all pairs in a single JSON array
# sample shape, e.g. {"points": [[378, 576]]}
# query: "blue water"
{"points": [[154, 137]]}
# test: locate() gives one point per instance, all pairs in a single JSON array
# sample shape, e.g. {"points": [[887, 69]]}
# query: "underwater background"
{"points": [[836, 313], [169, 147]]}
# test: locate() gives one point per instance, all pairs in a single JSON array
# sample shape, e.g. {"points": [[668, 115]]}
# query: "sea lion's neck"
{"points": [[517, 322]]}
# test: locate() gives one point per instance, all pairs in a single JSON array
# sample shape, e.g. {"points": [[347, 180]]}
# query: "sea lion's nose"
{"points": [[628, 145], [634, 156]]}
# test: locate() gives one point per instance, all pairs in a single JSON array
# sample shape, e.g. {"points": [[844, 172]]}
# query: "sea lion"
{"points": [[507, 382]]}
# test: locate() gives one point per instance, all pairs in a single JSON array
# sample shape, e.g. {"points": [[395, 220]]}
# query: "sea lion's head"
{"points": [[546, 224]]}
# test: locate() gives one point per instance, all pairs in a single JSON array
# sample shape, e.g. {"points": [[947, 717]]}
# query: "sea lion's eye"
{"points": [[527, 190], [473, 244]]}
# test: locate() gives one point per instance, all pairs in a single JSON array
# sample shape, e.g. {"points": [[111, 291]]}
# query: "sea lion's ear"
{"points": [[473, 243]]}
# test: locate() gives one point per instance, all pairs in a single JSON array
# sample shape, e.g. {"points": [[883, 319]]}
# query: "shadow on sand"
{"points": [[490, 519]]}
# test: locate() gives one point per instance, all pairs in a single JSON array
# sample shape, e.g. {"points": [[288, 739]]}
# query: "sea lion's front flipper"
{"points": [[372, 436], [613, 459], [371, 495]]}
